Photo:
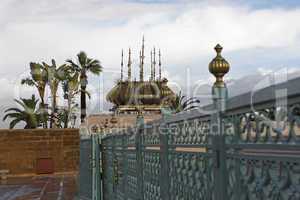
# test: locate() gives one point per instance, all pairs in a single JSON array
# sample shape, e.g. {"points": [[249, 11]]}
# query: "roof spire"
{"points": [[122, 65], [129, 65], [151, 74], [159, 64], [142, 56], [154, 63]]}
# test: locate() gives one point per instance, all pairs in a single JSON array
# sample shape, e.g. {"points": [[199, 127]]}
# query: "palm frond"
{"points": [[14, 122], [95, 69], [29, 114], [190, 108], [30, 103], [38, 72], [20, 103], [82, 58], [12, 109], [190, 102], [180, 103], [12, 115], [28, 81], [73, 65], [62, 72]]}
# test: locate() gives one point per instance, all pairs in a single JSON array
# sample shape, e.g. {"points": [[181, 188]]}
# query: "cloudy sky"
{"points": [[258, 36]]}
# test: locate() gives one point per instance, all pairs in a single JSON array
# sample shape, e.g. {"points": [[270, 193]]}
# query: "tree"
{"points": [[70, 87], [180, 104], [39, 78], [55, 76], [84, 66], [28, 114]]}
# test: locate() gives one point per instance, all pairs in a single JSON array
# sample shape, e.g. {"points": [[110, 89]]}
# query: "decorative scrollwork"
{"points": [[272, 126], [189, 132], [190, 176], [151, 174], [263, 179]]}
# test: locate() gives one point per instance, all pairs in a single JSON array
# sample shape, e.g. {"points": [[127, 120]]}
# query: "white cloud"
{"points": [[59, 29], [185, 31], [264, 71]]}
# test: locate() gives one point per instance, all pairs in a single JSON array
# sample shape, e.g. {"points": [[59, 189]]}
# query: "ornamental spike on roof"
{"points": [[128, 95]]}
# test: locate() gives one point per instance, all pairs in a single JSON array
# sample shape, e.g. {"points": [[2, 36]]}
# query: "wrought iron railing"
{"points": [[248, 151]]}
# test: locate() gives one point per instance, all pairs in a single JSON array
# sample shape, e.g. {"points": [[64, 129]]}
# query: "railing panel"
{"points": [[85, 174], [151, 174], [107, 163], [263, 178], [179, 158], [191, 175], [263, 149], [131, 185]]}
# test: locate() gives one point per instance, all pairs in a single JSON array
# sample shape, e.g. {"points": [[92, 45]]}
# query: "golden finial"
{"points": [[219, 67], [154, 63], [159, 63], [122, 64], [129, 65]]}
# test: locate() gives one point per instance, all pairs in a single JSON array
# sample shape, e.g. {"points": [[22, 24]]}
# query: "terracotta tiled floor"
{"points": [[55, 187]]}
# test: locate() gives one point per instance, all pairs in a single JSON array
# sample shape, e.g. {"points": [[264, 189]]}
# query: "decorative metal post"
{"points": [[95, 165], [85, 174], [139, 154], [164, 162], [114, 172], [219, 67]]}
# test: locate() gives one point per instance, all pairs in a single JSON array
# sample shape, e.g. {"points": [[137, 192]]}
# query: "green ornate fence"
{"points": [[243, 148], [90, 184], [257, 156], [85, 176]]}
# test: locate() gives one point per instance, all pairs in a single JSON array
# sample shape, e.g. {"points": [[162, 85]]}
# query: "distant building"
{"points": [[109, 123], [148, 96], [131, 96]]}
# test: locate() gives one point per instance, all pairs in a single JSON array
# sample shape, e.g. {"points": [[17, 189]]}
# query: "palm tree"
{"points": [[71, 88], [55, 76], [84, 66], [39, 77], [180, 104], [29, 114]]}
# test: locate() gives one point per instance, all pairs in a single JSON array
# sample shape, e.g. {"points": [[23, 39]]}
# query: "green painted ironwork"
{"points": [[243, 148], [255, 157], [96, 167], [90, 172], [85, 175]]}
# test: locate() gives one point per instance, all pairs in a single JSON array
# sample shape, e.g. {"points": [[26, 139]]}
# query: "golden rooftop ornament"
{"points": [[148, 95], [219, 67]]}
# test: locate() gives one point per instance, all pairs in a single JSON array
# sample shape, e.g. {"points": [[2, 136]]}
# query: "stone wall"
{"points": [[21, 149]]}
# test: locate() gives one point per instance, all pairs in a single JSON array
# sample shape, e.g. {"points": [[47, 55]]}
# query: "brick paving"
{"points": [[50, 187]]}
